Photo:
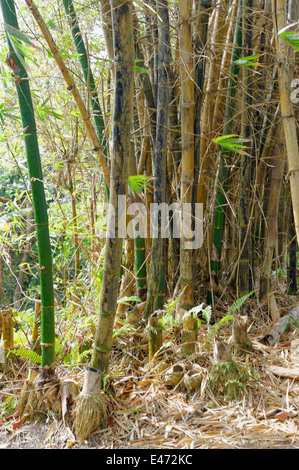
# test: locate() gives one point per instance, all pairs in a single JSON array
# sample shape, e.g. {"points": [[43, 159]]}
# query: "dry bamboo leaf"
{"points": [[274, 310], [284, 372]]}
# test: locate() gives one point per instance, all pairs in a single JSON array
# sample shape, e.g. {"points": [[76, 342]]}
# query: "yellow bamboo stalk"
{"points": [[187, 139]]}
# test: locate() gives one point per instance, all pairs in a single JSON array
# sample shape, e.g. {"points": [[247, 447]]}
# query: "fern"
{"points": [[27, 354], [239, 302]]}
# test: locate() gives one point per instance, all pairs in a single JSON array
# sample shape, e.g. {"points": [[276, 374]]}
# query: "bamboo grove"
{"points": [[186, 103]]}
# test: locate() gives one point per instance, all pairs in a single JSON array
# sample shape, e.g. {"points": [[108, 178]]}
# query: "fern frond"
{"points": [[27, 354], [239, 302]]}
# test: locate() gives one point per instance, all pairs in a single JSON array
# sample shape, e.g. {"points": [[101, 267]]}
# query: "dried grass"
{"points": [[145, 413]]}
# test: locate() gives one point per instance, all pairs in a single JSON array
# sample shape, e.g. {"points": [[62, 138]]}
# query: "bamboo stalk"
{"points": [[187, 139], [287, 111], [292, 256], [223, 173], [154, 334], [218, 38], [271, 205], [245, 246], [156, 286], [38, 195], [88, 75], [122, 126]]}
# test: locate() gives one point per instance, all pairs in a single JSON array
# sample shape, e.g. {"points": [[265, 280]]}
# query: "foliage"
{"points": [[248, 61], [290, 37], [27, 354], [231, 143], [9, 406]]}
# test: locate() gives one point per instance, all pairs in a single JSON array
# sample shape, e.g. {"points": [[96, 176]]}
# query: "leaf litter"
{"points": [[146, 414]]}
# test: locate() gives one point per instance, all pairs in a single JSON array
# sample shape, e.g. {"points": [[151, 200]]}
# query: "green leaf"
{"points": [[231, 143], [128, 300], [139, 182], [52, 25], [239, 302], [140, 69], [16, 33], [248, 61], [290, 38]]}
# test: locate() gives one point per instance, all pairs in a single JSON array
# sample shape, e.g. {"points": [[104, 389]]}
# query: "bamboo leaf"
{"points": [[231, 143], [128, 300], [16, 33], [248, 61], [140, 69]]}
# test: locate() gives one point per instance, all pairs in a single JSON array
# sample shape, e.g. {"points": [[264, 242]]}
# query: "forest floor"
{"points": [[146, 414]]}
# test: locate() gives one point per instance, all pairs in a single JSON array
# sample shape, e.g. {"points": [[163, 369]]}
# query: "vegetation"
{"points": [[148, 198]]}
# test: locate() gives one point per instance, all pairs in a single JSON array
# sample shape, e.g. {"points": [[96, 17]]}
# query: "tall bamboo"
{"points": [[156, 285], [38, 193], [292, 255], [270, 209], [283, 55], [218, 38], [87, 71], [122, 125], [187, 139], [244, 267], [87, 74], [200, 47], [222, 183]]}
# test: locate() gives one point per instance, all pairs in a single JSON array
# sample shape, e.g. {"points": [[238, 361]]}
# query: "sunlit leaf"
{"points": [[290, 38], [139, 182], [16, 33]]}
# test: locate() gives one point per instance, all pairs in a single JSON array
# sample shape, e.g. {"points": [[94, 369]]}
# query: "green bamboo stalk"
{"points": [[37, 189], [122, 25], [220, 204], [156, 287], [244, 272]]}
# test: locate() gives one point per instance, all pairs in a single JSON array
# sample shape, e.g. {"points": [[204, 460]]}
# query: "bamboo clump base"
{"points": [[90, 410], [144, 413]]}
